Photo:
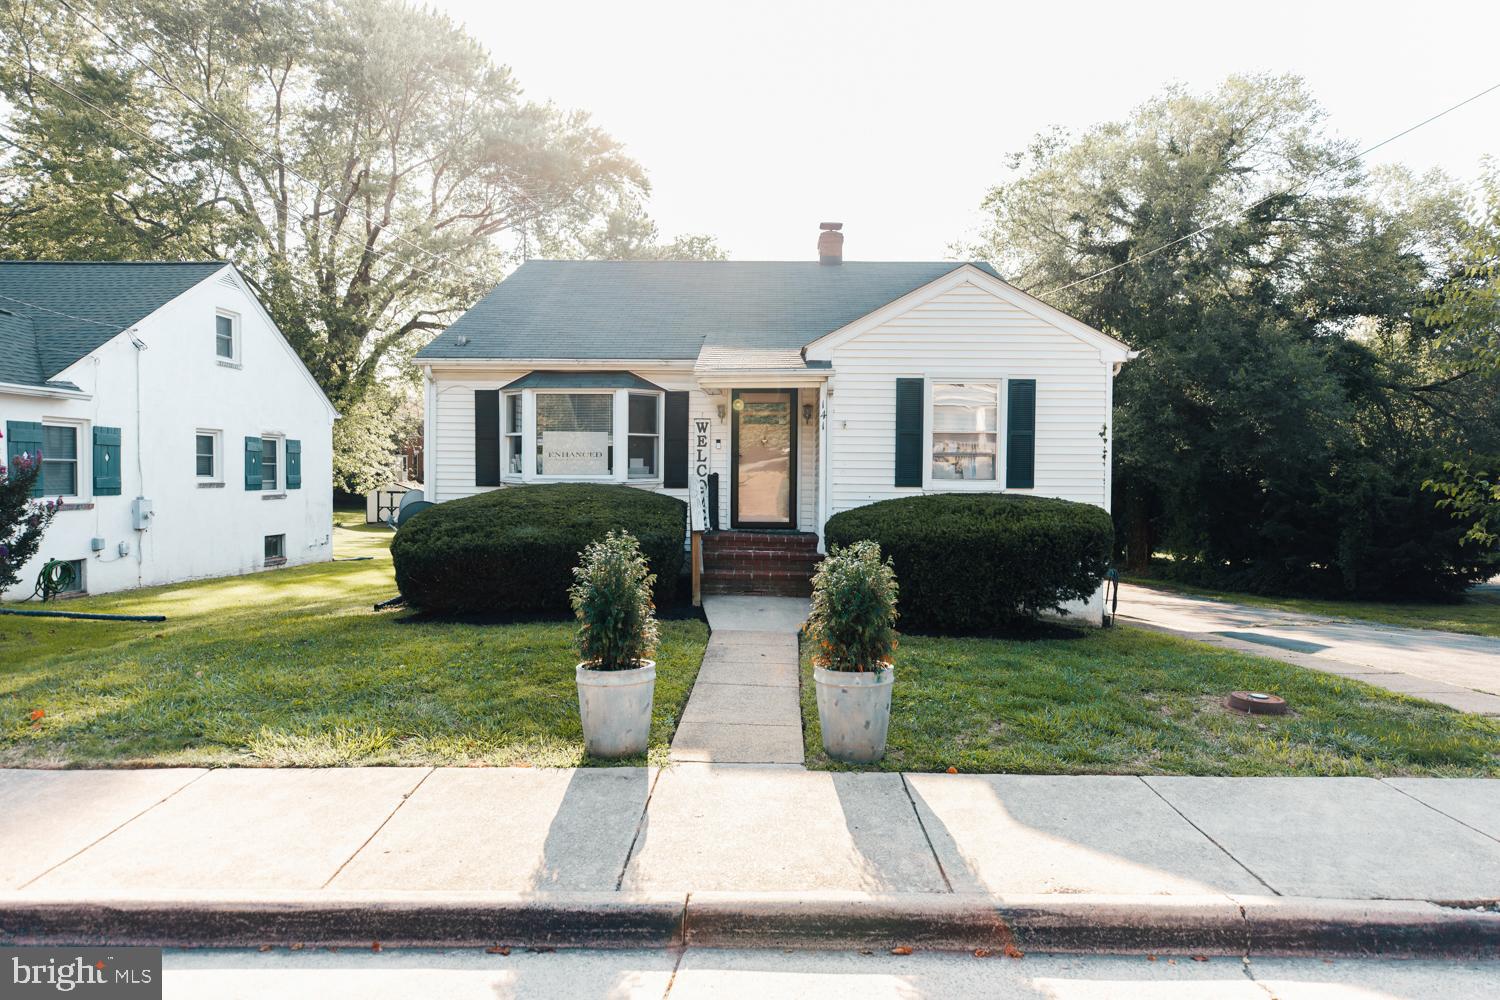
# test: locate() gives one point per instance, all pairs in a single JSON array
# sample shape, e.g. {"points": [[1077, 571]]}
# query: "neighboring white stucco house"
{"points": [[805, 388], [169, 384]]}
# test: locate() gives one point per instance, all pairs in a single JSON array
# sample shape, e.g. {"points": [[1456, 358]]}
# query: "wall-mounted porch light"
{"points": [[807, 409]]}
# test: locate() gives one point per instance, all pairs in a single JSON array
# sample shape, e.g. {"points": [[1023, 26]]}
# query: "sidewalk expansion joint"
{"points": [[1206, 836], [100, 839], [927, 837], [1435, 809], [640, 824], [376, 832]]}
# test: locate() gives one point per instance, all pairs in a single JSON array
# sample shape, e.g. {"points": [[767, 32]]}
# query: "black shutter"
{"points": [[908, 432], [675, 442], [486, 437], [1020, 434]]}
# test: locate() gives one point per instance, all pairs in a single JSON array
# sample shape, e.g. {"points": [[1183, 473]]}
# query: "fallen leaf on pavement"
{"points": [[497, 950], [374, 945], [265, 947], [901, 950], [981, 953], [297, 946], [1011, 951], [952, 770]]}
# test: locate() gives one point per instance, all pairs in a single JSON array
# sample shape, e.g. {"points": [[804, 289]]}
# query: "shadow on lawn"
{"points": [[1030, 631], [680, 610]]}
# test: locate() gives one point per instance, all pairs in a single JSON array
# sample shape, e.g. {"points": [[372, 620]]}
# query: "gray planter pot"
{"points": [[615, 707], [854, 709]]}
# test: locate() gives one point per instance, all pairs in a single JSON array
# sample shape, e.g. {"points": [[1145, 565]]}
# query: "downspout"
{"points": [[140, 465]]}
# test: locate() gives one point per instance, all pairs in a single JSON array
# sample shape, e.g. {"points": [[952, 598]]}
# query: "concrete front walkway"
{"points": [[1460, 671], [744, 708], [705, 828]]}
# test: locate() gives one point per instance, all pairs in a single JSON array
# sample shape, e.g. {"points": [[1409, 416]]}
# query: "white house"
{"points": [[183, 434], [801, 388]]}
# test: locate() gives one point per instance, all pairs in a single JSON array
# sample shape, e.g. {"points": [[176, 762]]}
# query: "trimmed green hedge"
{"points": [[980, 562], [514, 549]]}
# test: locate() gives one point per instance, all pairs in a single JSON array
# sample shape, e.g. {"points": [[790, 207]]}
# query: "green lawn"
{"points": [[1477, 614], [291, 667], [1126, 701]]}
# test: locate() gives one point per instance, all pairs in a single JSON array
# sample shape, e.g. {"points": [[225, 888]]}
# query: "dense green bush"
{"points": [[611, 597], [853, 606], [979, 562], [514, 549]]}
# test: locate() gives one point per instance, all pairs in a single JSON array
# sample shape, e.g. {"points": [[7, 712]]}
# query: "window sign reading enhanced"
{"points": [[575, 453], [107, 973]]}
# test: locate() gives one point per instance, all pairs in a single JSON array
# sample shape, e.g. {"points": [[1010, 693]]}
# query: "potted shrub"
{"points": [[853, 610], [617, 631]]}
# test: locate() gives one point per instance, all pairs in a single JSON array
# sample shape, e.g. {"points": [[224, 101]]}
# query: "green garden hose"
{"points": [[56, 576]]}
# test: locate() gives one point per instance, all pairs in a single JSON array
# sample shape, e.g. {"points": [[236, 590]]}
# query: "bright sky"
{"points": [[757, 120]]}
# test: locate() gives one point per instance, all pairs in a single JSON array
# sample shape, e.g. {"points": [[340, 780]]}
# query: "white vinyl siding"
{"points": [[807, 467], [968, 334]]}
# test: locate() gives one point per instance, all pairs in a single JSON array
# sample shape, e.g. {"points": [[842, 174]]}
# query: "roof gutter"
{"points": [[554, 363], [45, 391]]}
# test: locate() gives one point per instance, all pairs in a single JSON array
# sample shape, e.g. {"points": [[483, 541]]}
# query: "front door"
{"points": [[764, 477]]}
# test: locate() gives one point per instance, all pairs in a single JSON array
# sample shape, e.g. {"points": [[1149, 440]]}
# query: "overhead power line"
{"points": [[1294, 189]]}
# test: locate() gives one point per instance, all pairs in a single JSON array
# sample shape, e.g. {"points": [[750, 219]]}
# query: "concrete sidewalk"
{"points": [[744, 706], [1460, 671], [773, 837]]}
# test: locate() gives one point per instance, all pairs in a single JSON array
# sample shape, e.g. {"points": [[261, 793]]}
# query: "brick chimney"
{"points": [[830, 243]]}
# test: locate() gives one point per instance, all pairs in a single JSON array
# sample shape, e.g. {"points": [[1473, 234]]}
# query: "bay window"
{"points": [[965, 431], [605, 426], [513, 434], [575, 434]]}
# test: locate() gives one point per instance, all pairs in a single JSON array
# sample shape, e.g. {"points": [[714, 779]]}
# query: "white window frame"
{"points": [[234, 337], [279, 486], [507, 436], [658, 434], [217, 437], [996, 485], [83, 460]]}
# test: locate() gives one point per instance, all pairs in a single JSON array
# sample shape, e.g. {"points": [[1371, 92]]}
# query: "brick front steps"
{"points": [[779, 563]]}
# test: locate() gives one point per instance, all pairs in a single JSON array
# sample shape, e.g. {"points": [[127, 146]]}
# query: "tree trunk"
{"points": [[1139, 538]]}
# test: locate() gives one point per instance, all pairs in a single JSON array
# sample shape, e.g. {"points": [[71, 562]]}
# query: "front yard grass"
{"points": [[1477, 614], [1127, 701], [292, 668]]}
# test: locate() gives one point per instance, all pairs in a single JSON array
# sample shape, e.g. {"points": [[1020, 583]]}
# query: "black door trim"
{"points": [[734, 465]]}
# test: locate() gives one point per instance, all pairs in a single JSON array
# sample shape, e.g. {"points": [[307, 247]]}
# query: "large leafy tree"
{"points": [[1286, 406], [365, 162], [1466, 314], [628, 233]]}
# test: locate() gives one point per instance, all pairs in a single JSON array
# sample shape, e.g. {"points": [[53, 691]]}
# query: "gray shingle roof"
{"points": [[581, 380], [61, 312], [669, 310]]}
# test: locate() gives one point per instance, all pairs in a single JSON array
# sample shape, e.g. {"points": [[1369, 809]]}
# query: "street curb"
{"points": [[347, 919], [1199, 925]]}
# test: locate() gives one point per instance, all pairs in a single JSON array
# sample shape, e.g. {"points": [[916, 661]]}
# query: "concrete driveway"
{"points": [[1461, 671]]}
